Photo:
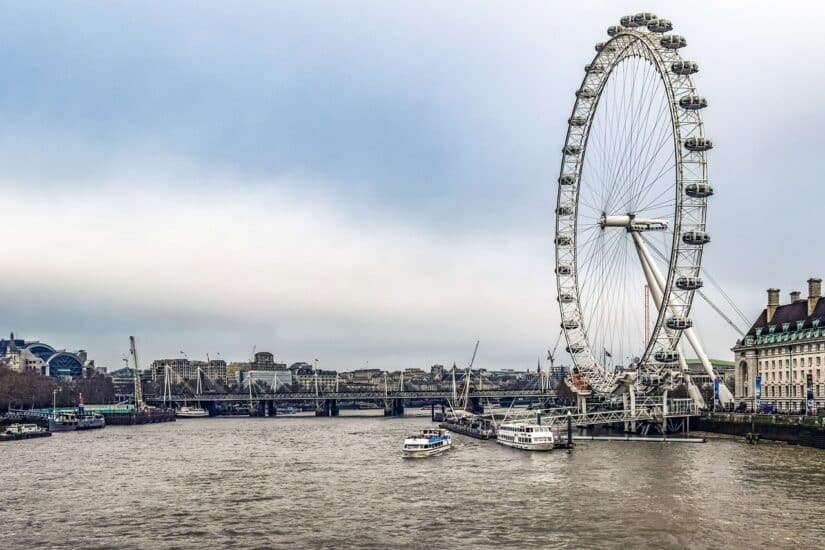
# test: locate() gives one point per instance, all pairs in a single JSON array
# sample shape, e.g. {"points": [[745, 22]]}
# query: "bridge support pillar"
{"points": [[394, 407], [664, 413], [581, 403], [327, 407], [629, 402], [476, 406]]}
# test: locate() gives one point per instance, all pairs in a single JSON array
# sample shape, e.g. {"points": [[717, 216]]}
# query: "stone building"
{"points": [[786, 348], [182, 369], [23, 355]]}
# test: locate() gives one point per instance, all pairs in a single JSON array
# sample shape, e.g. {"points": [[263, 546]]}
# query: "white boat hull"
{"points": [[423, 453], [546, 446], [526, 435]]}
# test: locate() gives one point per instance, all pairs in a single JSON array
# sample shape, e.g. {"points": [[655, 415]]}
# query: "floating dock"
{"points": [[628, 437], [471, 430]]}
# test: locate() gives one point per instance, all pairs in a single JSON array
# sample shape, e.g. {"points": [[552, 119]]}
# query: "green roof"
{"points": [[715, 362]]}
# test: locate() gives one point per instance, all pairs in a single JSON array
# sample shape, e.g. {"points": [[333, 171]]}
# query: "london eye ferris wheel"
{"points": [[631, 209]]}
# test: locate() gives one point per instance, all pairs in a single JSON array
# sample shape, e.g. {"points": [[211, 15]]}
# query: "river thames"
{"points": [[306, 482]]}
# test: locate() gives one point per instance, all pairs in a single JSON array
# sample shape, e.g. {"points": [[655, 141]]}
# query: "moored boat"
{"points": [[63, 422], [191, 412], [423, 412], [426, 443], [88, 421], [525, 435], [91, 421], [23, 431]]}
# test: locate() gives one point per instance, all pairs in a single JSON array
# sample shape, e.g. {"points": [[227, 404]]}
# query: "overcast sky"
{"points": [[360, 182]]}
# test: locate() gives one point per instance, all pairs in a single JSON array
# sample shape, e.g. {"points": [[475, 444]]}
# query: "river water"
{"points": [[306, 482]]}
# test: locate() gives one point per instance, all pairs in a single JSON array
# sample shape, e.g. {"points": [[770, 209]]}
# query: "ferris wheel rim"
{"points": [[663, 54]]}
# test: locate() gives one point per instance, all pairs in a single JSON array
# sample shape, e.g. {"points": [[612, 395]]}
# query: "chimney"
{"points": [[814, 292], [795, 296], [773, 302]]}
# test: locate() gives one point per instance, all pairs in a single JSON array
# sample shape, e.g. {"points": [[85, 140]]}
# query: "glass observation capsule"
{"points": [[666, 356], [695, 237], [673, 41], [693, 102], [684, 68], [643, 18], [689, 283], [659, 25], [679, 323], [628, 22], [698, 144], [698, 190]]}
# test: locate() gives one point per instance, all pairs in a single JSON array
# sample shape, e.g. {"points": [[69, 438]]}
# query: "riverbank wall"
{"points": [[796, 430]]}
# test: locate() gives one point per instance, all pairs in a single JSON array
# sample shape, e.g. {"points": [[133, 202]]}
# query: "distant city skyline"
{"points": [[374, 184]]}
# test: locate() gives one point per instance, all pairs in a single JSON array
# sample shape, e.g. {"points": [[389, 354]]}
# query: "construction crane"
{"points": [[466, 397], [138, 389]]}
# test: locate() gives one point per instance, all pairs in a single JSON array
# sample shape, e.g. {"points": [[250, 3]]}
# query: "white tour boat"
{"points": [[423, 412], [426, 443], [191, 412], [526, 435], [286, 411]]}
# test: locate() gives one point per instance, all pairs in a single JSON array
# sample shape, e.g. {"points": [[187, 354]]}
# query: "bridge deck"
{"points": [[349, 396]]}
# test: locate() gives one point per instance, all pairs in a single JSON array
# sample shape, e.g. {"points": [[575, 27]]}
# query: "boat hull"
{"points": [[424, 453], [91, 424], [544, 446], [59, 426]]}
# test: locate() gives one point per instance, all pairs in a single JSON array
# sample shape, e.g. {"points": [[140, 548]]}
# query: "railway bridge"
{"points": [[327, 403]]}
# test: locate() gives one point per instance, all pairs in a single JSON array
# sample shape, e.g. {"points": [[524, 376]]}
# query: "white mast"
{"points": [[138, 389], [455, 391], [466, 398]]}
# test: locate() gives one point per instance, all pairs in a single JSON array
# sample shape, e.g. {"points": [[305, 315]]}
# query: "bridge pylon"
{"points": [[326, 407], [393, 407]]}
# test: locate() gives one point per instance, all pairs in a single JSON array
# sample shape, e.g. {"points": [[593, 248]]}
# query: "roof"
{"points": [[714, 362], [791, 313]]}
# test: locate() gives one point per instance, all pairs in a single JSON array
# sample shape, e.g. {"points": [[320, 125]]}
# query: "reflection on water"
{"points": [[312, 482]]}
